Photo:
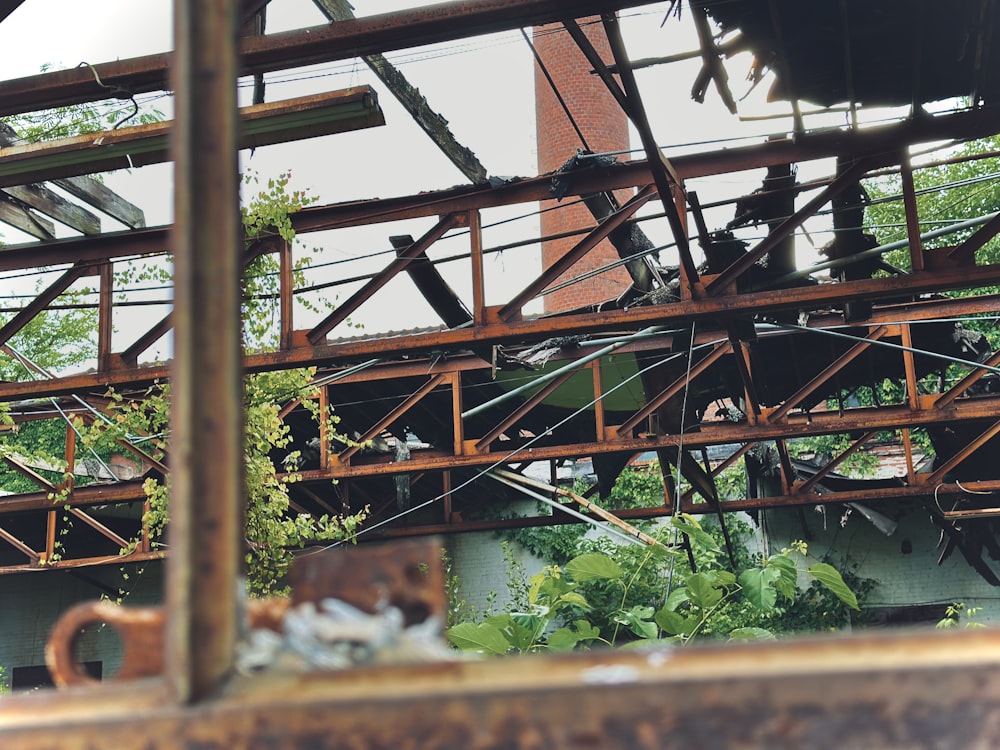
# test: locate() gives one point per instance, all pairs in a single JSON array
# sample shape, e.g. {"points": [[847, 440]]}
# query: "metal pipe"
{"points": [[206, 491], [882, 249], [610, 530], [543, 379]]}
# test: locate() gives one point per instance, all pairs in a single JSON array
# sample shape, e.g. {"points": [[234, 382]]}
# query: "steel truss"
{"points": [[445, 372]]}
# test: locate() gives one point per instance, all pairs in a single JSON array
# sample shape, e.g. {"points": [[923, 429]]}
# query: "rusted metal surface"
{"points": [[407, 575], [349, 38], [206, 415], [928, 690]]}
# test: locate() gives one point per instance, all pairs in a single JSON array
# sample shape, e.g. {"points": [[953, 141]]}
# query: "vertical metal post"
{"points": [[910, 207], [206, 407], [285, 296], [478, 282], [105, 320]]}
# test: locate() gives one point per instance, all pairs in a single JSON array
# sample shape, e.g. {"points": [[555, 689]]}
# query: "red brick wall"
{"points": [[605, 127]]}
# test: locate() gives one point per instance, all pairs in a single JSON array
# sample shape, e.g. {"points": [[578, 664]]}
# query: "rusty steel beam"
{"points": [[41, 301], [665, 177], [816, 478], [789, 225], [828, 372], [709, 433], [965, 383], [396, 266], [676, 313], [594, 237], [655, 402], [206, 414], [918, 690], [291, 49], [376, 429], [964, 125]]}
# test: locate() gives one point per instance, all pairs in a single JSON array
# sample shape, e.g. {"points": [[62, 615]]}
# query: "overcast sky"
{"points": [[483, 86]]}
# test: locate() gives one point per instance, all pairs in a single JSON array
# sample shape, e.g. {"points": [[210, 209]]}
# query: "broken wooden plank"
{"points": [[104, 199], [55, 206], [127, 147], [26, 220], [413, 102]]}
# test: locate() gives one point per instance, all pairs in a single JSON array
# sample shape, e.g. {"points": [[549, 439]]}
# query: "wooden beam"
{"points": [[127, 147]]}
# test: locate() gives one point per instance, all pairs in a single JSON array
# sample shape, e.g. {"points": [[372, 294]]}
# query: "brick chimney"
{"points": [[605, 128]]}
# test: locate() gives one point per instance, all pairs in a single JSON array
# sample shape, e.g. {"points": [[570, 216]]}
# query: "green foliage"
{"points": [[267, 211], [956, 612], [561, 612]]}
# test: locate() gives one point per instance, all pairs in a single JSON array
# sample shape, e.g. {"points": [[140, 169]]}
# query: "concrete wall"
{"points": [[30, 603], [904, 564]]}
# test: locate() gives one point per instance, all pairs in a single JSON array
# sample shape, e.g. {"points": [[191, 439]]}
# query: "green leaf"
{"points": [[587, 631], [637, 621], [574, 597], [677, 598], [593, 566], [758, 587], [751, 634], [701, 591], [831, 578], [688, 525], [787, 582], [563, 639], [483, 638], [521, 630], [674, 623]]}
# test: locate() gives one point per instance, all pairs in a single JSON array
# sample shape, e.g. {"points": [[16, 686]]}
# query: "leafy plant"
{"points": [[955, 613], [558, 613]]}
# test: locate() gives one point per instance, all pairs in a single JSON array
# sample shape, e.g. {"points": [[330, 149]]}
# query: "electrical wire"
{"points": [[504, 459]]}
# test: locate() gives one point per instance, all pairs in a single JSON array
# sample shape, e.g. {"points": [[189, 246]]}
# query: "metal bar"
{"points": [[28, 473], [393, 415], [286, 292], [99, 527], [961, 455], [206, 490], [722, 466], [909, 366], [319, 332], [19, 545], [959, 126], [105, 315], [673, 389], [966, 251], [594, 237], [785, 463], [965, 383], [380, 33], [739, 267], [131, 355], [41, 301], [478, 279], [828, 372], [583, 502], [458, 426], [664, 173], [543, 393], [816, 478], [413, 102], [910, 207], [594, 58], [600, 418]]}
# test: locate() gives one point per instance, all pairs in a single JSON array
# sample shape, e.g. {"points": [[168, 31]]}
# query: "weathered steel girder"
{"points": [[337, 41]]}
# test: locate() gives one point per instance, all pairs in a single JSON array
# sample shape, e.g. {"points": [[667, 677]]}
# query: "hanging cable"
{"points": [[555, 90]]}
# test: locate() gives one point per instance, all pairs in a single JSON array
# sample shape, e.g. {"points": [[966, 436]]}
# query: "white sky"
{"points": [[483, 86]]}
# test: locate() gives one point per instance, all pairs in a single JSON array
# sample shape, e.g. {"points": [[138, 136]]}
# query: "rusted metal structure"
{"points": [[648, 364]]}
